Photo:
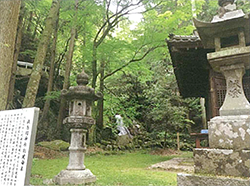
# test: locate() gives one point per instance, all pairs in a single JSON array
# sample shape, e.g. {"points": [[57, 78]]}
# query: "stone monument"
{"points": [[80, 102], [17, 139], [229, 133]]}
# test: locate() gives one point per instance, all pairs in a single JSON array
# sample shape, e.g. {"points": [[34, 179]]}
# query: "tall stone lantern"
{"points": [[80, 99], [229, 134]]}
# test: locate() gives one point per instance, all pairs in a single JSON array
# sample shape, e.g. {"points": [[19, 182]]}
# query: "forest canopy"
{"points": [[127, 61]]}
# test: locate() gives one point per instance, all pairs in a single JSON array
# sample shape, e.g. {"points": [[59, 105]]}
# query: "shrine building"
{"points": [[195, 76]]}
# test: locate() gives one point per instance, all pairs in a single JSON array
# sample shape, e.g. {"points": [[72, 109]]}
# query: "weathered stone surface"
{"points": [[123, 140], [228, 15], [229, 132], [77, 149], [199, 180], [81, 92], [235, 102], [58, 145], [79, 121], [232, 63], [222, 162], [176, 164], [75, 177]]}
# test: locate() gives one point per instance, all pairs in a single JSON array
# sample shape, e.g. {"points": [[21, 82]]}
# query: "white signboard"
{"points": [[17, 139]]}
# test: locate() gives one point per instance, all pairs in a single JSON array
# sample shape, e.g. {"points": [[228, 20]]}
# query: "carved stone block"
{"points": [[222, 162], [75, 177], [229, 132], [199, 180]]}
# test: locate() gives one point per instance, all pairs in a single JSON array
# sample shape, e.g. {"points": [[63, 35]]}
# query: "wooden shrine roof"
{"points": [[190, 64]]}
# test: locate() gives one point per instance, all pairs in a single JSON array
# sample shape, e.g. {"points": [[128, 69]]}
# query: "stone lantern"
{"points": [[230, 36], [80, 100], [229, 134]]}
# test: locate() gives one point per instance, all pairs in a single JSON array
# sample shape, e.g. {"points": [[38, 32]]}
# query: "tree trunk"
{"points": [[32, 87], [15, 57], [99, 122], [51, 71], [203, 113], [29, 22], [165, 139], [94, 67], [178, 141], [35, 29], [8, 27], [68, 66], [59, 61]]}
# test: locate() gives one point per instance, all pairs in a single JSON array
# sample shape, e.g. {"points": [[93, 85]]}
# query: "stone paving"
{"points": [[176, 164]]}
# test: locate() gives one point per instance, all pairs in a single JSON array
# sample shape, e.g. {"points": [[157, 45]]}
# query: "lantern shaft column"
{"points": [[235, 101], [77, 149]]}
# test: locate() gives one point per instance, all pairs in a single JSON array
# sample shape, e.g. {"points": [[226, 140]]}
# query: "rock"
{"points": [[48, 182], [202, 180], [123, 140], [39, 155], [107, 133], [57, 145], [108, 147], [176, 164]]}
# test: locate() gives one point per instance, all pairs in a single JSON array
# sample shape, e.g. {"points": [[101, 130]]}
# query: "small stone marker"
{"points": [[17, 138]]}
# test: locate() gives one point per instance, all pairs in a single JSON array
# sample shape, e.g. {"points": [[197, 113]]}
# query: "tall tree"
{"points": [[68, 67], [111, 20], [51, 71], [8, 26], [16, 53], [32, 87]]}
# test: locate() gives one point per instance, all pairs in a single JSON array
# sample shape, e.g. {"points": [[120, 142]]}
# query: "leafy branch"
{"points": [[133, 60]]}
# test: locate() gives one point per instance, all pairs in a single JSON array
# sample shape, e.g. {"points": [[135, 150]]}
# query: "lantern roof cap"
{"points": [[82, 78], [81, 91], [209, 30]]}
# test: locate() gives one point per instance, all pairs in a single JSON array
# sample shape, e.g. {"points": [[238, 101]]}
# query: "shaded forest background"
{"points": [[127, 62]]}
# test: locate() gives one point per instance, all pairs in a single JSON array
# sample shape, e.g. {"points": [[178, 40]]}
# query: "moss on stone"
{"points": [[58, 145]]}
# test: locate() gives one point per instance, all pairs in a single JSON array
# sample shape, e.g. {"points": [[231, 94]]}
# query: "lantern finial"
{"points": [[82, 78]]}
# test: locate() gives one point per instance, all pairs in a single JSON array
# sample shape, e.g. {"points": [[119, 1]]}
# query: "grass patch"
{"points": [[122, 169]]}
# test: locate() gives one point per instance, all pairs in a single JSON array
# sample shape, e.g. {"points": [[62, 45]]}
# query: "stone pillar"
{"points": [[77, 149], [76, 173], [235, 101]]}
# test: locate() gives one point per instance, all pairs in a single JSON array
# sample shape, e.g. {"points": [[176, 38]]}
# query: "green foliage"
{"points": [[244, 5], [53, 95], [139, 82]]}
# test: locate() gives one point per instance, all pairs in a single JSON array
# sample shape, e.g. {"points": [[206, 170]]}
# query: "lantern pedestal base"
{"points": [[229, 132], [75, 177]]}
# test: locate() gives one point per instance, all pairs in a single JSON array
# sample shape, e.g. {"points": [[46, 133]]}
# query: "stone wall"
{"points": [[222, 162]]}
